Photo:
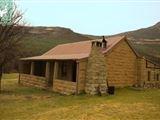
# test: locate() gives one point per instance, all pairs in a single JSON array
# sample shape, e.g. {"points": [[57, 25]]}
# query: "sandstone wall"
{"points": [[81, 75], [121, 65], [35, 81], [144, 67], [64, 87]]}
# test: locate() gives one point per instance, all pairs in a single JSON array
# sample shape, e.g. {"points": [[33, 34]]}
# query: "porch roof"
{"points": [[57, 57], [77, 50]]}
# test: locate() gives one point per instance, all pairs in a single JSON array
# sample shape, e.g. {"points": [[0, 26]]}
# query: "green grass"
{"points": [[24, 103]]}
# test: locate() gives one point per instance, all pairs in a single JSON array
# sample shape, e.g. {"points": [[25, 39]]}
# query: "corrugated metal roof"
{"points": [[77, 50]]}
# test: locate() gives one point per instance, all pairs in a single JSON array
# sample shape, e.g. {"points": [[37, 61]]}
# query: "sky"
{"points": [[96, 17]]}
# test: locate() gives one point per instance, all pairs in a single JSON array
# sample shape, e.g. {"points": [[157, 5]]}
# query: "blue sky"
{"points": [[97, 17]]}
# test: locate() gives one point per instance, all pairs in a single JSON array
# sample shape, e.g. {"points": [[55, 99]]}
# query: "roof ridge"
{"points": [[74, 42], [123, 36]]}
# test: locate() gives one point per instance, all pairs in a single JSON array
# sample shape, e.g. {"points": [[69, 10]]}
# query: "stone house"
{"points": [[85, 66]]}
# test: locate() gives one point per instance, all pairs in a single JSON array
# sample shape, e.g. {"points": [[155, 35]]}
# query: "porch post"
{"points": [[47, 70], [77, 76], [20, 71], [32, 68], [55, 71]]}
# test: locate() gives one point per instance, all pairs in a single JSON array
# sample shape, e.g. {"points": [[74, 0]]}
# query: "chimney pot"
{"points": [[104, 42]]}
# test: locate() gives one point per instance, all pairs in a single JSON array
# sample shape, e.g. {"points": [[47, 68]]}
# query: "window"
{"points": [[154, 75], [157, 77], [39, 68], [149, 75], [64, 69], [74, 69], [25, 67]]}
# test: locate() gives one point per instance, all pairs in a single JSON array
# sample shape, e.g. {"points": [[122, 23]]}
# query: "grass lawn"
{"points": [[23, 103]]}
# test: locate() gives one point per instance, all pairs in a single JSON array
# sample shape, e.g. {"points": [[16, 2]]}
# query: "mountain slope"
{"points": [[152, 32], [40, 39]]}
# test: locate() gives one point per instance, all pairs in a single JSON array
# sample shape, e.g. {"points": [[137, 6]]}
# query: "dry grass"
{"points": [[22, 103]]}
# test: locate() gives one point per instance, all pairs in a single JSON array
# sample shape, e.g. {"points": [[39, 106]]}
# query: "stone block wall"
{"points": [[121, 64], [64, 87], [152, 84], [143, 69], [32, 80], [81, 76]]}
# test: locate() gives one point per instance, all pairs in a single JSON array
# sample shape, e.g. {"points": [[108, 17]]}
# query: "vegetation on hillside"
{"points": [[152, 32], [149, 51], [40, 39]]}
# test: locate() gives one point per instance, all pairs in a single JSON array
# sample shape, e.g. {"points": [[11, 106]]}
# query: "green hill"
{"points": [[152, 32], [40, 39]]}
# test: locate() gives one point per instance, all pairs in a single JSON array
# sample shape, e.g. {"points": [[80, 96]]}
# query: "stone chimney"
{"points": [[96, 44], [96, 71]]}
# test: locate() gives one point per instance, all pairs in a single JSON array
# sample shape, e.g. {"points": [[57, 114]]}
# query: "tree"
{"points": [[11, 33]]}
